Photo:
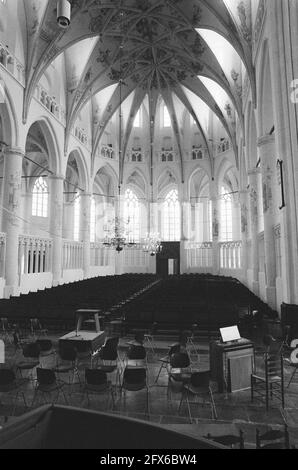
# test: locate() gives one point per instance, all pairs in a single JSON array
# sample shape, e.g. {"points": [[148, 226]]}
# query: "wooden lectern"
{"points": [[232, 364], [89, 318], [87, 336]]}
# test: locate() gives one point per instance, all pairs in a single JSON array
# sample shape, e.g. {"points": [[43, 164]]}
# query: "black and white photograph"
{"points": [[148, 228]]}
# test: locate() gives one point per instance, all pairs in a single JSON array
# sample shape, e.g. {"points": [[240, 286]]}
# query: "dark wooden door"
{"points": [[170, 251]]}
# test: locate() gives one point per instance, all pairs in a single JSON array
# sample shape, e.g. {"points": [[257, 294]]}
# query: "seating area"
{"points": [[55, 308], [125, 382], [157, 372], [178, 302]]}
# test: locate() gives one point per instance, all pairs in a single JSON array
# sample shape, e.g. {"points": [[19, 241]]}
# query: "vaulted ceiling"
{"points": [[153, 47]]}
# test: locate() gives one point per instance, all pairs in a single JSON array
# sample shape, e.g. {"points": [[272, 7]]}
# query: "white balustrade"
{"points": [[35, 255], [101, 255], [200, 255], [2, 253], [12, 64], [223, 146], [50, 102], [107, 151], [82, 136], [72, 255], [230, 255]]}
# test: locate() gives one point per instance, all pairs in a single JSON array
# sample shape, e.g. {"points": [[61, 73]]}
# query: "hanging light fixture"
{"points": [[152, 244], [63, 13], [117, 236]]}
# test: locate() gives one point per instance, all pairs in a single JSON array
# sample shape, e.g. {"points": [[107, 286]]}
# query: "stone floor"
{"points": [[235, 411]]}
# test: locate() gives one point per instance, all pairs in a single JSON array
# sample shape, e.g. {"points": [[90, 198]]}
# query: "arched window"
{"points": [[137, 121], [93, 220], [132, 215], [226, 215], [166, 117], [40, 198], [209, 221], [76, 225], [171, 222]]}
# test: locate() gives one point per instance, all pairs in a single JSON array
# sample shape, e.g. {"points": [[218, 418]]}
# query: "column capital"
{"points": [[14, 151], [265, 140], [85, 194]]}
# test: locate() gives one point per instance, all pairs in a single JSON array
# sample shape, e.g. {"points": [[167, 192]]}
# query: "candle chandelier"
{"points": [[152, 244], [117, 235]]}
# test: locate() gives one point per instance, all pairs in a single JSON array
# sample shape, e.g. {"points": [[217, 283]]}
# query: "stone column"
{"points": [[185, 234], [85, 209], [243, 197], [253, 176], [56, 223], [68, 220], [215, 228], [267, 150], [11, 218], [27, 211]]}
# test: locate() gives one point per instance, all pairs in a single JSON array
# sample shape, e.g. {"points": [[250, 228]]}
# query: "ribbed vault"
{"points": [[163, 54]]}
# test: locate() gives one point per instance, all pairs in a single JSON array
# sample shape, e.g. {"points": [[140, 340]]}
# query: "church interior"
{"points": [[149, 224]]}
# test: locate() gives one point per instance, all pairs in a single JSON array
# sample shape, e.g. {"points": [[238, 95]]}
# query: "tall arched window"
{"points": [[93, 220], [76, 225], [226, 215], [132, 215], [171, 222], [166, 117], [137, 121], [40, 198]]}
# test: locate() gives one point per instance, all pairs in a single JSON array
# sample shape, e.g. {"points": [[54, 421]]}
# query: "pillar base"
{"points": [[271, 297], [57, 283], [11, 291], [256, 288]]}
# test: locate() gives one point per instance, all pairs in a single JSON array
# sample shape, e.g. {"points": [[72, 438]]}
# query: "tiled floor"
{"points": [[235, 411]]}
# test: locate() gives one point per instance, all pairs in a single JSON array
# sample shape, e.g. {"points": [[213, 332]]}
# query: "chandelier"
{"points": [[117, 236], [152, 244]]}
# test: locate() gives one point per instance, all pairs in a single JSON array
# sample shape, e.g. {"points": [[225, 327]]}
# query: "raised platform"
{"points": [[83, 340]]}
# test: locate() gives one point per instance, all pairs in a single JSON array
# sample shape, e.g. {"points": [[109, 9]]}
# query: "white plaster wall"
{"points": [[35, 282], [2, 285], [72, 275]]}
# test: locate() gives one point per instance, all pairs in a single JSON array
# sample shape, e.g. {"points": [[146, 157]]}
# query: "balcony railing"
{"points": [[223, 146], [200, 255], [72, 255], [12, 64], [50, 102], [100, 255], [35, 255], [230, 255]]}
